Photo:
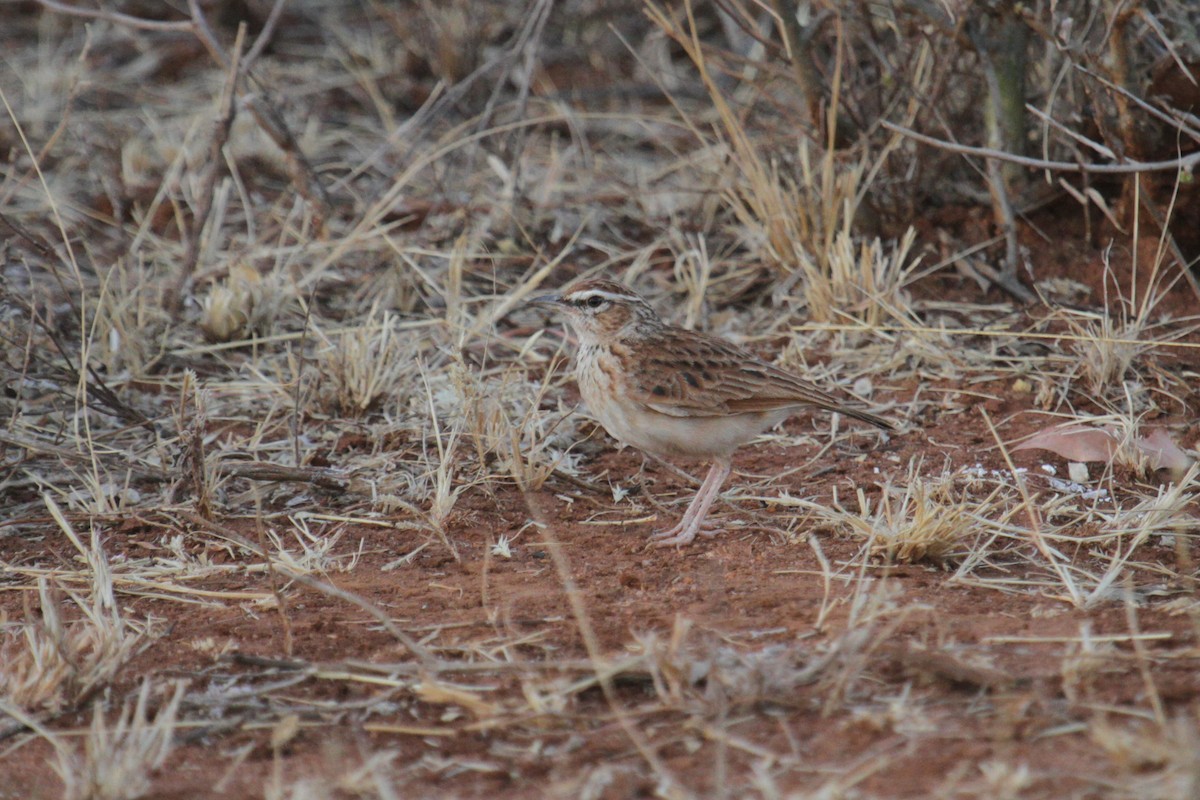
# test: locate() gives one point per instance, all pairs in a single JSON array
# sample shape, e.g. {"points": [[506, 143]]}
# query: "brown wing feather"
{"points": [[704, 376]]}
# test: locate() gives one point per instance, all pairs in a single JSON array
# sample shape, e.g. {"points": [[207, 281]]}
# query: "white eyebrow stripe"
{"points": [[584, 295]]}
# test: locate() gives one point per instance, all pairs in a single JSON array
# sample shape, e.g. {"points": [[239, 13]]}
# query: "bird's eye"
{"points": [[595, 301]]}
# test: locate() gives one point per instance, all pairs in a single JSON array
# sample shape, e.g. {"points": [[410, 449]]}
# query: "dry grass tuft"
{"points": [[119, 759], [506, 419], [365, 364], [53, 663], [1168, 513], [129, 328], [1158, 761], [49, 663], [930, 520], [796, 212]]}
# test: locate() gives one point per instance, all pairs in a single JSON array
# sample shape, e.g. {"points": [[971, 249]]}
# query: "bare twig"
{"points": [[303, 176], [1140, 103], [516, 142], [193, 459], [35, 243], [69, 455], [265, 471], [206, 36], [264, 36], [117, 17], [208, 180], [265, 112], [1185, 163]]}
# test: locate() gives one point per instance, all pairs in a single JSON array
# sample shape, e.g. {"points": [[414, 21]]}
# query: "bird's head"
{"points": [[600, 310]]}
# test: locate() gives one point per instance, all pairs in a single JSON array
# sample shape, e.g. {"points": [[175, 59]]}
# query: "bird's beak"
{"points": [[551, 299]]}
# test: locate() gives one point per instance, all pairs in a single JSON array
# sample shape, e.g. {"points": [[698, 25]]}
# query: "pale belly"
{"points": [[665, 435]]}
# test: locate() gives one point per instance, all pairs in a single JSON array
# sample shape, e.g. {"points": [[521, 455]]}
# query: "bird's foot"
{"points": [[681, 535]]}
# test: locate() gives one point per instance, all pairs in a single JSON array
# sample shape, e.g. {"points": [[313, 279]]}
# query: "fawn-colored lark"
{"points": [[677, 393]]}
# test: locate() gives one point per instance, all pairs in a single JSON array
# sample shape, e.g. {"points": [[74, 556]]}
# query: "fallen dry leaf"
{"points": [[1079, 443], [1074, 443], [1163, 452]]}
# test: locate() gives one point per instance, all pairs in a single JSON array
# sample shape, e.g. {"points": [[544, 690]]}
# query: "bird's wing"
{"points": [[687, 374]]}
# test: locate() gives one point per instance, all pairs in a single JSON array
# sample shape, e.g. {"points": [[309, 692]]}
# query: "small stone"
{"points": [[1078, 472]]}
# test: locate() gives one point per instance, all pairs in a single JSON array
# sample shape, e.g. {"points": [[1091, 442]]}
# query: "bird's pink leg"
{"points": [[693, 518], [691, 509]]}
